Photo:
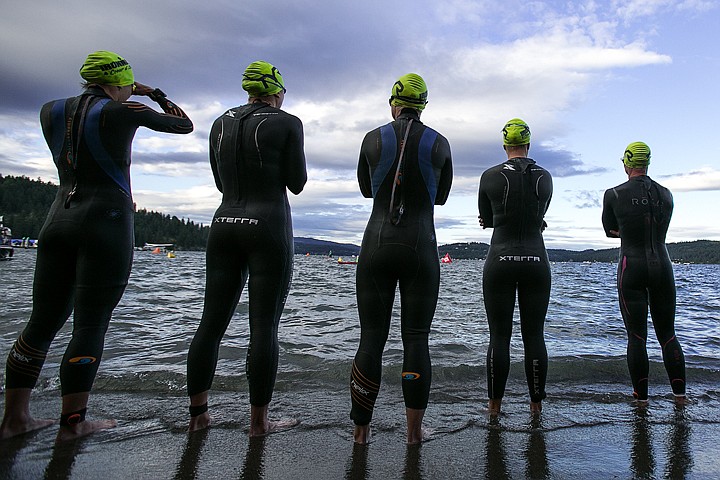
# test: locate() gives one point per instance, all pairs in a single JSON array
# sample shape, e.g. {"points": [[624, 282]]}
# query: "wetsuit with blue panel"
{"points": [[639, 211], [406, 168], [86, 244], [512, 200]]}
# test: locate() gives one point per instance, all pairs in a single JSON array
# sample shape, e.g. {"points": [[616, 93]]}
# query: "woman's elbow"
{"points": [[297, 187]]}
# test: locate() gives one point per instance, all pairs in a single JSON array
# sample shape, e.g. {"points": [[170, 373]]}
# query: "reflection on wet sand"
{"points": [[188, 464]]}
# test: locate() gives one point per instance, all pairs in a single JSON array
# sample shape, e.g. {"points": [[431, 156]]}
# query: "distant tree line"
{"points": [[699, 251], [24, 205], [154, 227]]}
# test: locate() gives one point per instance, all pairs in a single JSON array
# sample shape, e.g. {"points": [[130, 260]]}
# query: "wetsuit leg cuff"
{"points": [[198, 410]]}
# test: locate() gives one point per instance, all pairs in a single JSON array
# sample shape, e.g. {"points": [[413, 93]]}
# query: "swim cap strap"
{"points": [[420, 100]]}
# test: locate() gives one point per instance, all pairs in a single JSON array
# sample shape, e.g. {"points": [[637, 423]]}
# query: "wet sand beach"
{"points": [[589, 428], [514, 446]]}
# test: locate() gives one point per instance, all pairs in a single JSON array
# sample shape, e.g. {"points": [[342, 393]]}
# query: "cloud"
{"points": [[703, 179], [339, 60], [585, 198], [631, 10], [197, 203], [22, 147]]}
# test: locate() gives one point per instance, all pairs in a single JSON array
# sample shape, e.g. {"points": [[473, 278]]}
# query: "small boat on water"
{"points": [[6, 247], [346, 262], [159, 248], [446, 259]]}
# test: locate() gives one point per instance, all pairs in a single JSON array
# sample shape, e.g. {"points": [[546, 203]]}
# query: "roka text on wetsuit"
{"points": [[399, 246], [86, 244], [512, 199], [256, 152], [640, 210]]}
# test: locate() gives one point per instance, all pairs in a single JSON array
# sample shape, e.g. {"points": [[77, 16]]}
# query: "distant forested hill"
{"points": [[154, 227], [324, 247], [24, 204], [699, 251]]}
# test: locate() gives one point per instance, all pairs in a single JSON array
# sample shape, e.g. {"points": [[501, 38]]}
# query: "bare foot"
{"points": [[535, 408], [199, 422], [273, 427], [681, 400], [71, 432], [260, 425], [415, 431], [425, 436], [640, 402], [361, 434], [11, 427]]}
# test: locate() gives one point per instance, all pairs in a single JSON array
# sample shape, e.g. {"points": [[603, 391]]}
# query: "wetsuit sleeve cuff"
{"points": [[156, 95]]}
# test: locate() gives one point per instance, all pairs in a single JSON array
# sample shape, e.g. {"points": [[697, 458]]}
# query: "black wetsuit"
{"points": [[513, 199], [256, 152], [86, 244], [399, 246], [640, 209]]}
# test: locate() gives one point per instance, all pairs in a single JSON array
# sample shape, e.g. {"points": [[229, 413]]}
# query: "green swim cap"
{"points": [[107, 68], [637, 155], [261, 79], [516, 133], [409, 91]]}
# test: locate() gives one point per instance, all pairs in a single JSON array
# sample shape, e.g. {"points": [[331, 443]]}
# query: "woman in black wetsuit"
{"points": [[256, 155], [512, 200], [86, 244], [638, 212], [406, 168]]}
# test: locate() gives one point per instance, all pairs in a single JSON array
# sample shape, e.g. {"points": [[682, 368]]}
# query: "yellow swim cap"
{"points": [[637, 155], [262, 79], [107, 68], [409, 91], [516, 133]]}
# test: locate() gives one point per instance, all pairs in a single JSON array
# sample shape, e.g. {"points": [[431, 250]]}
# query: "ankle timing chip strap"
{"points": [[198, 410], [72, 418]]}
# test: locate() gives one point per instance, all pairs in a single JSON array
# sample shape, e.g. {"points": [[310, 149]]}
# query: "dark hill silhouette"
{"points": [[24, 204], [698, 251]]}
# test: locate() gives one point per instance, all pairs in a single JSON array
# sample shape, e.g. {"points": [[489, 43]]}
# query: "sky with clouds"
{"points": [[589, 77]]}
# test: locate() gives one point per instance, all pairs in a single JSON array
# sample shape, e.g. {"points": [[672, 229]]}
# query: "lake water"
{"points": [[143, 368]]}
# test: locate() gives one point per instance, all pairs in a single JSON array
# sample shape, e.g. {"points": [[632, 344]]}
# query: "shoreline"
{"points": [[641, 446], [603, 451]]}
